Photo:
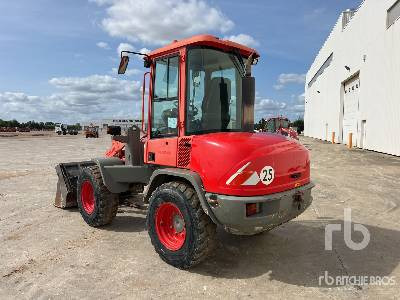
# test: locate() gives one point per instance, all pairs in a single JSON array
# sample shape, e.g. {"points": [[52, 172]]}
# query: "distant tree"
{"points": [[33, 125], [260, 125], [13, 123], [49, 126], [299, 123]]}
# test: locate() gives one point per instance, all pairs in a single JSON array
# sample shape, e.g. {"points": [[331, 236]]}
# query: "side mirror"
{"points": [[123, 64]]}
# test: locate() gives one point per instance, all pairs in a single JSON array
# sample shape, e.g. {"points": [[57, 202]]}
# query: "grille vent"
{"points": [[184, 150]]}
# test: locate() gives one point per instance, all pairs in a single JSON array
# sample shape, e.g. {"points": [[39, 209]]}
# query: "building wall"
{"points": [[365, 36], [123, 123]]}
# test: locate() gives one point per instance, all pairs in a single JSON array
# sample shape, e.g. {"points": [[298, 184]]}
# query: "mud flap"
{"points": [[67, 183]]}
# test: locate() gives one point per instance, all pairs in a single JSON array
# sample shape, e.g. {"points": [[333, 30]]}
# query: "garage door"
{"points": [[350, 109]]}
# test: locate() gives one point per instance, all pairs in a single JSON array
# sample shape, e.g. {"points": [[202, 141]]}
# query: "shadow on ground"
{"points": [[128, 219], [127, 223], [295, 254]]}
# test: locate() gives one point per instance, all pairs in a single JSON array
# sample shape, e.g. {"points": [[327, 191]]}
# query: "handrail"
{"points": [[143, 93]]}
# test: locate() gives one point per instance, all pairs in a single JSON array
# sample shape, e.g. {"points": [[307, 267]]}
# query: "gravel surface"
{"points": [[46, 252]]}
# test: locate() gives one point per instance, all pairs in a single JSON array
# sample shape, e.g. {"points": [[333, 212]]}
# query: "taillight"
{"points": [[252, 209]]}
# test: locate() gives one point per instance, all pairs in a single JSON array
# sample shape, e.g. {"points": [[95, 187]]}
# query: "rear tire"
{"points": [[97, 205], [181, 233]]}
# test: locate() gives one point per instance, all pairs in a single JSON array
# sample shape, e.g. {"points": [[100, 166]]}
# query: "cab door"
{"points": [[162, 146]]}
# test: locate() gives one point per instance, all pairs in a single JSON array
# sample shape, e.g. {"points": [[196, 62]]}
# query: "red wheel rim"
{"points": [[87, 197], [170, 226]]}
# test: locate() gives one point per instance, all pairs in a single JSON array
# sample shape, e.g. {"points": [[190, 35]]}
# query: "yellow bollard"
{"points": [[350, 142], [333, 137]]}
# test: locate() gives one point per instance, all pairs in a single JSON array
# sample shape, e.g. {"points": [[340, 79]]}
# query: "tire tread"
{"points": [[205, 242], [107, 202]]}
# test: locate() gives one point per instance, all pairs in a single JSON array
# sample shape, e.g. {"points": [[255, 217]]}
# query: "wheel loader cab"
{"points": [[203, 165], [196, 88]]}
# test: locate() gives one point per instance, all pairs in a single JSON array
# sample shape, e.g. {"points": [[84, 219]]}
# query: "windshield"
{"points": [[214, 82]]}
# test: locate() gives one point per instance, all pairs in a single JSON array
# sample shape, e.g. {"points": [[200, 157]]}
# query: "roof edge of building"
{"points": [[338, 22]]}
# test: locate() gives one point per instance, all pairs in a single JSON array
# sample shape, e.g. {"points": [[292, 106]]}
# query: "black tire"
{"points": [[200, 230], [105, 204]]}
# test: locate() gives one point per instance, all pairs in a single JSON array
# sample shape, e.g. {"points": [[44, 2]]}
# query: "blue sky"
{"points": [[57, 57]]}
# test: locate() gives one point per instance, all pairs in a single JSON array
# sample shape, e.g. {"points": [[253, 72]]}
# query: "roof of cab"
{"points": [[204, 40]]}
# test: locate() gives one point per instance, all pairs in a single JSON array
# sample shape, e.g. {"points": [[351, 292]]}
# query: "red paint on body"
{"points": [[217, 156]]}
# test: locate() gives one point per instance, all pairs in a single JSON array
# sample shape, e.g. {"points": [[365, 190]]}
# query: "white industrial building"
{"points": [[353, 86], [123, 123]]}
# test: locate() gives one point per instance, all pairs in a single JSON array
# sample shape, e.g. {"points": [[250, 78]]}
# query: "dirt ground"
{"points": [[46, 252]]}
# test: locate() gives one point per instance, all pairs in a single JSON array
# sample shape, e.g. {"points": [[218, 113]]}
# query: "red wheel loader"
{"points": [[196, 160]]}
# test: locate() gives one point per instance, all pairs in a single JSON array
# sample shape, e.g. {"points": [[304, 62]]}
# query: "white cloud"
{"points": [[129, 47], [124, 47], [301, 98], [266, 108], [103, 45], [297, 108], [160, 22], [285, 79], [270, 105], [77, 99], [243, 39], [144, 50], [128, 72]]}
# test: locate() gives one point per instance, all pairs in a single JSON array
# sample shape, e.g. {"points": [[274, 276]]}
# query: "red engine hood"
{"points": [[217, 157]]}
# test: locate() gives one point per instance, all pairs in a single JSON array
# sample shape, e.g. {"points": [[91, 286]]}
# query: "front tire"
{"points": [[97, 205], [181, 233]]}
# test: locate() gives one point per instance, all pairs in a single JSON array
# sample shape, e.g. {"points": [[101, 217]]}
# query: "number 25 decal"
{"points": [[267, 175]]}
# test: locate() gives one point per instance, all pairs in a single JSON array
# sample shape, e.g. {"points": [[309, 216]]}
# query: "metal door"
{"points": [[350, 109]]}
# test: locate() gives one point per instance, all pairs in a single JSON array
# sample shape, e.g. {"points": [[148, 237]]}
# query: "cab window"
{"points": [[214, 102], [164, 119]]}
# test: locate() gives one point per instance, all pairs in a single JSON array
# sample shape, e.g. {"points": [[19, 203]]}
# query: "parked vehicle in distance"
{"points": [[72, 131], [114, 130], [281, 125], [92, 131], [8, 129], [60, 129], [24, 129]]}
